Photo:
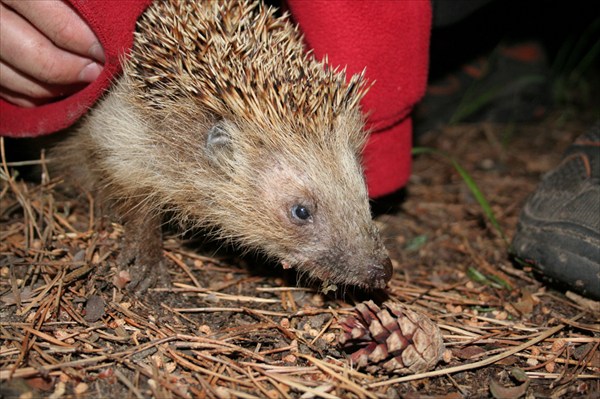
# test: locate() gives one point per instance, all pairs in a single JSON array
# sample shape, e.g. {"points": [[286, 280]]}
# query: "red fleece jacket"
{"points": [[390, 39]]}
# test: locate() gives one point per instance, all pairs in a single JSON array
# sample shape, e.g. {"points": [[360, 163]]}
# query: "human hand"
{"points": [[47, 51]]}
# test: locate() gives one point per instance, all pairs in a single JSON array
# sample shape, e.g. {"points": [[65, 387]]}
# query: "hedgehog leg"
{"points": [[141, 253]]}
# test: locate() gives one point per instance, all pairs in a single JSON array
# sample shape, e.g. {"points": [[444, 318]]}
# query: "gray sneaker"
{"points": [[559, 227]]}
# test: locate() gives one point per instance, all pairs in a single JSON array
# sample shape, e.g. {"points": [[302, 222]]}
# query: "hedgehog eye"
{"points": [[300, 213]]}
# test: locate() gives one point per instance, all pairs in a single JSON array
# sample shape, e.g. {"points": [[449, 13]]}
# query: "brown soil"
{"points": [[229, 327]]}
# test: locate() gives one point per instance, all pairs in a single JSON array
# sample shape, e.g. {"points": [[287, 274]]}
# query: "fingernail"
{"points": [[90, 72], [97, 52]]}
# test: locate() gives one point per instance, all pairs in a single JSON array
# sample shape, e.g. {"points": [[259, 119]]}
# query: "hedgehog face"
{"points": [[330, 234]]}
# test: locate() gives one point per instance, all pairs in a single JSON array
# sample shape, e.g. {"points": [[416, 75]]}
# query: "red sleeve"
{"points": [[390, 39], [113, 22]]}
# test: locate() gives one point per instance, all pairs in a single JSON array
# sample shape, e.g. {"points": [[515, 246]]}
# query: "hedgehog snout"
{"points": [[379, 274]]}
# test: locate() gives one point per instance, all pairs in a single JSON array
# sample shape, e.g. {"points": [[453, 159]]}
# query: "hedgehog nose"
{"points": [[381, 273], [387, 269]]}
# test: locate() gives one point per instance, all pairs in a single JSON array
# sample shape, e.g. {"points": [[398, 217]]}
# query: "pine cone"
{"points": [[396, 339]]}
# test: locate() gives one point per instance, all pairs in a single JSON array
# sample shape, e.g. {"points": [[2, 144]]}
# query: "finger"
{"points": [[21, 100], [18, 83], [27, 50], [61, 24]]}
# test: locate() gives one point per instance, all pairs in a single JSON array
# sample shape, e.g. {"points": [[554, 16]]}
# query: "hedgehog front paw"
{"points": [[147, 271], [141, 256]]}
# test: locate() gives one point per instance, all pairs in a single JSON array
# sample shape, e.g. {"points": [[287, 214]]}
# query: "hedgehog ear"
{"points": [[219, 146]]}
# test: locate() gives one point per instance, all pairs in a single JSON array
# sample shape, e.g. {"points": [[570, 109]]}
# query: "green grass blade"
{"points": [[578, 51], [416, 243], [472, 103], [470, 182], [588, 60]]}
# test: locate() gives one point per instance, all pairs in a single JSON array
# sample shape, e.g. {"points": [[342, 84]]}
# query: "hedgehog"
{"points": [[224, 122]]}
